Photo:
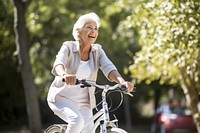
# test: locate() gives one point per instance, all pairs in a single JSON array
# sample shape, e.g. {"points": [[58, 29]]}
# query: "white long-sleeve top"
{"points": [[69, 57], [75, 92]]}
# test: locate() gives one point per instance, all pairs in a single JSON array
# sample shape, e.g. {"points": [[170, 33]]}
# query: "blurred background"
{"points": [[154, 43]]}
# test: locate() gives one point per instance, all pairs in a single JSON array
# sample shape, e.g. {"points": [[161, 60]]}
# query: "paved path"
{"points": [[134, 129], [138, 129]]}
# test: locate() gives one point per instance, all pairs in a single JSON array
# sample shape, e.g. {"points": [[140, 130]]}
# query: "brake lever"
{"points": [[128, 93]]}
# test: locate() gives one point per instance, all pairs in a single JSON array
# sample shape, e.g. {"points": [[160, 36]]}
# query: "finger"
{"points": [[67, 80], [70, 80], [130, 89], [73, 80]]}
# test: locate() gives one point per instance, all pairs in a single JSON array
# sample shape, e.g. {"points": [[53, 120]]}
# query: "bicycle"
{"points": [[101, 118]]}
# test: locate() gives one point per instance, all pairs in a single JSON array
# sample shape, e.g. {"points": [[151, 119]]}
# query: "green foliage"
{"points": [[170, 46], [170, 40]]}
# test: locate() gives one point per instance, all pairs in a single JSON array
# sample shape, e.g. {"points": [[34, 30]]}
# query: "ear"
{"points": [[78, 30]]}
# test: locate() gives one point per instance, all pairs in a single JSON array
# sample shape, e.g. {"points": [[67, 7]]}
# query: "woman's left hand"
{"points": [[130, 87]]}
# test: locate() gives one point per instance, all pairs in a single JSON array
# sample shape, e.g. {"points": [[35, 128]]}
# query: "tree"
{"points": [[12, 100], [170, 46], [22, 44]]}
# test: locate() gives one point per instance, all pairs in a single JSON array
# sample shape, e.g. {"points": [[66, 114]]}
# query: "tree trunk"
{"points": [[192, 100], [127, 113], [157, 94], [192, 96], [22, 44]]}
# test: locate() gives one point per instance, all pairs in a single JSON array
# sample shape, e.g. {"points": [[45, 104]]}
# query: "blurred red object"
{"points": [[169, 118]]}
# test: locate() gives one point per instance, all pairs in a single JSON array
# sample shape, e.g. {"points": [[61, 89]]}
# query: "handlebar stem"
{"points": [[105, 106]]}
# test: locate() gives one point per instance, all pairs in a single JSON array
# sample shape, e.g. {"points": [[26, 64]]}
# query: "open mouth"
{"points": [[90, 36]]}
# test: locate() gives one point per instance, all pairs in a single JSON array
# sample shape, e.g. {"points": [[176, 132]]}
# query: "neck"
{"points": [[84, 46], [84, 51]]}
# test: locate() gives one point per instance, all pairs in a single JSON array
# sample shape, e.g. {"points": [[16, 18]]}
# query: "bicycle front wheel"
{"points": [[116, 130], [56, 128]]}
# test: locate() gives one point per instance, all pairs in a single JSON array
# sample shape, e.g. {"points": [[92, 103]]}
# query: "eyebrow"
{"points": [[90, 25]]}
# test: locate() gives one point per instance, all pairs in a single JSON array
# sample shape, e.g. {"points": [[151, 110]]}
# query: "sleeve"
{"points": [[105, 64], [61, 58]]}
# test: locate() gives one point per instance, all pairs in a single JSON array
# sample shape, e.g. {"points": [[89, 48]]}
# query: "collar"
{"points": [[76, 47]]}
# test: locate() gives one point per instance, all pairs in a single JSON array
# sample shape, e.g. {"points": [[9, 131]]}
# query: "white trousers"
{"points": [[75, 114]]}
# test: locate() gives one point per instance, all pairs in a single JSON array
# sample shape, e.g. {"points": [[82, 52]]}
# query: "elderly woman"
{"points": [[80, 59]]}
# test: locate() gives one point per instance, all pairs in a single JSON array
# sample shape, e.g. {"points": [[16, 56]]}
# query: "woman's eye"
{"points": [[89, 27]]}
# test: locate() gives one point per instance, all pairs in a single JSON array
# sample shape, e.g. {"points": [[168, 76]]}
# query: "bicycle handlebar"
{"points": [[89, 83]]}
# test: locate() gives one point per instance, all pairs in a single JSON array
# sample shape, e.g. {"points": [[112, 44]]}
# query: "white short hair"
{"points": [[81, 22]]}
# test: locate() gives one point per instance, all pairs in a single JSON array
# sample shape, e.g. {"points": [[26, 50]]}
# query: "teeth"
{"points": [[91, 37]]}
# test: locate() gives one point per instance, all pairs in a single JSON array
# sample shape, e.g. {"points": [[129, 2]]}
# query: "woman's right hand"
{"points": [[69, 79]]}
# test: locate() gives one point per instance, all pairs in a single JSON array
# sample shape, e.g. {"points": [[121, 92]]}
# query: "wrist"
{"points": [[64, 75], [121, 80]]}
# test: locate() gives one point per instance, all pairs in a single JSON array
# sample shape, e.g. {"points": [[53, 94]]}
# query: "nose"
{"points": [[92, 30]]}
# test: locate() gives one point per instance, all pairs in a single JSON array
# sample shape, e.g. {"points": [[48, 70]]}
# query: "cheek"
{"points": [[81, 33], [97, 33]]}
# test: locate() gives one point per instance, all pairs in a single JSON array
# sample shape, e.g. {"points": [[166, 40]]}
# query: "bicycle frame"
{"points": [[102, 116]]}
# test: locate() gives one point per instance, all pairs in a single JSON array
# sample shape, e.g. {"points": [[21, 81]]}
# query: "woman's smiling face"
{"points": [[89, 32]]}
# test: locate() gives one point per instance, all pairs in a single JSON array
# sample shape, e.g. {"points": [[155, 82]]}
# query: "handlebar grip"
{"points": [[77, 82], [82, 83], [123, 88]]}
